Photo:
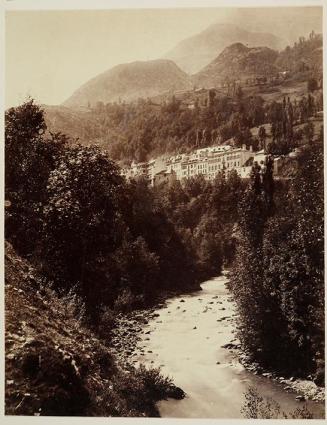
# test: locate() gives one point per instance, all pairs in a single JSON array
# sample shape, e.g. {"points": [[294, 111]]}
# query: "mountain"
{"points": [[237, 62], [127, 82], [197, 51]]}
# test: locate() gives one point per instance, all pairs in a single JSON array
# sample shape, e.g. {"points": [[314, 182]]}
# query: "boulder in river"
{"points": [[175, 392], [230, 346]]}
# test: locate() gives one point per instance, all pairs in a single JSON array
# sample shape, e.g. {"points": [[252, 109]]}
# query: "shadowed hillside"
{"points": [[131, 81], [56, 366]]}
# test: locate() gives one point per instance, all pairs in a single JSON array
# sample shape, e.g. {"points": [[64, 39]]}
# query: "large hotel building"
{"points": [[207, 162]]}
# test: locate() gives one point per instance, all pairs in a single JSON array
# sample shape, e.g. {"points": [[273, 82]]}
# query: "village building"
{"points": [[208, 162], [164, 177]]}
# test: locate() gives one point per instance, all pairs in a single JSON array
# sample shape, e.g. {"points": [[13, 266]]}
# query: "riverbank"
{"points": [[303, 389]]}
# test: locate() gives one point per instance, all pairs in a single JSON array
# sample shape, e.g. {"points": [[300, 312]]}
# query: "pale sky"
{"points": [[49, 54]]}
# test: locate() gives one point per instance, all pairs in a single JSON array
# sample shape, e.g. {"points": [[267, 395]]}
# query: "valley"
{"points": [[164, 221]]}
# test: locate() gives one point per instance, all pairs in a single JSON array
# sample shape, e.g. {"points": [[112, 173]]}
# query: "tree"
{"points": [[239, 93], [277, 278], [312, 85], [262, 137], [294, 266], [138, 268], [30, 156], [247, 274], [209, 241], [308, 131], [81, 222]]}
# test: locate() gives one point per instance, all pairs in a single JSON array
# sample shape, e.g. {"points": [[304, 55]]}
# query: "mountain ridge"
{"points": [[240, 62], [197, 51], [130, 81]]}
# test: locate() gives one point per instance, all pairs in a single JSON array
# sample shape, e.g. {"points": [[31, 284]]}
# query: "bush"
{"points": [[74, 306], [156, 385], [258, 407], [56, 378], [127, 301], [106, 323], [141, 389]]}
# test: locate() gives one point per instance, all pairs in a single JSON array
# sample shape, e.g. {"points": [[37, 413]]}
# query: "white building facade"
{"points": [[207, 162]]}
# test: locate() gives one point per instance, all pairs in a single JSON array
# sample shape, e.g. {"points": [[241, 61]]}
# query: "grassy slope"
{"points": [[55, 366]]}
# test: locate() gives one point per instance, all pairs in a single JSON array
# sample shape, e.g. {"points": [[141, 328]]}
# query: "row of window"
{"points": [[235, 156], [210, 169]]}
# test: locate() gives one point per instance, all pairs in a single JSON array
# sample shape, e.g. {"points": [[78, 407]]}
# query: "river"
{"points": [[185, 342]]}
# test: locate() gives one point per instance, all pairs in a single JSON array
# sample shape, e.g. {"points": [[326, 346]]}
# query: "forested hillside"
{"points": [[87, 228], [56, 366], [304, 55], [144, 130], [149, 127]]}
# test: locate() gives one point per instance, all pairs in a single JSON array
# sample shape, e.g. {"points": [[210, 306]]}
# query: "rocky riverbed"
{"points": [[192, 339], [128, 333]]}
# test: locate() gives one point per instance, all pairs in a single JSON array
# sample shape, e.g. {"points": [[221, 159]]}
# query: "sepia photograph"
{"points": [[164, 210]]}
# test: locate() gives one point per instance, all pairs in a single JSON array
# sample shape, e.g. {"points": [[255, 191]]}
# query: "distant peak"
{"points": [[236, 47], [223, 25]]}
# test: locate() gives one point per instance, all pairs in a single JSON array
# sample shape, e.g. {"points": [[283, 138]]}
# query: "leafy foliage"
{"points": [[30, 157], [277, 278]]}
